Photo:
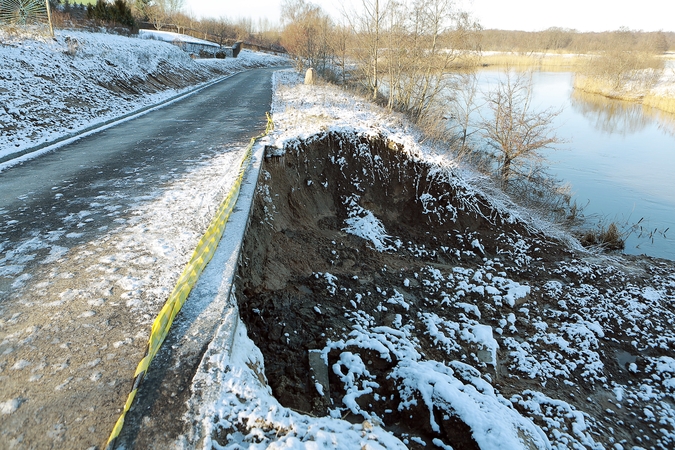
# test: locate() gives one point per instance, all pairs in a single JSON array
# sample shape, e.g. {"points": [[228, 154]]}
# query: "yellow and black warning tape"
{"points": [[206, 247]]}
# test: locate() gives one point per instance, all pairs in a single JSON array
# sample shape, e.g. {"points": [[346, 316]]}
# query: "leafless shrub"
{"points": [[623, 69], [609, 237], [516, 132]]}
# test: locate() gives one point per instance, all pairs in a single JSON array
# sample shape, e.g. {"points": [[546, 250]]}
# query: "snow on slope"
{"points": [[168, 36], [53, 88], [242, 400]]}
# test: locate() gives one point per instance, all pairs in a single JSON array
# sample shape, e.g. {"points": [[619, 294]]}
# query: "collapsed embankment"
{"points": [[298, 244], [440, 317]]}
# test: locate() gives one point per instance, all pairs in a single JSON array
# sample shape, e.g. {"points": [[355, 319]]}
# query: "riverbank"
{"points": [[547, 61], [662, 96], [660, 93], [438, 312]]}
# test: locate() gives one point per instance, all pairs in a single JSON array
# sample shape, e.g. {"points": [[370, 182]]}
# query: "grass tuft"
{"points": [[609, 238]]}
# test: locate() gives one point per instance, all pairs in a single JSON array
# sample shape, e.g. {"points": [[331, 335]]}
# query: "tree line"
{"points": [[572, 41], [166, 15], [395, 50]]}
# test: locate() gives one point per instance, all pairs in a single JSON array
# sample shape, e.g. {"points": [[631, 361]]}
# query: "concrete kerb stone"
{"points": [[205, 381], [231, 242]]}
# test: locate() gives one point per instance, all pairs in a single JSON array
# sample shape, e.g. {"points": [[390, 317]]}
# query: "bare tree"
{"points": [[403, 49], [244, 27], [367, 27], [139, 9], [628, 66], [182, 22], [307, 33], [339, 44], [425, 40], [374, 16], [515, 130], [163, 12], [174, 6], [555, 38], [463, 106], [157, 13]]}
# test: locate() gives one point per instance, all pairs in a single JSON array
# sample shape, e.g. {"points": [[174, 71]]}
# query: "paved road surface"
{"points": [[130, 159], [68, 346]]}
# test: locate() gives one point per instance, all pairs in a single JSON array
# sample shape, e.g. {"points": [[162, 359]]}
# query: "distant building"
{"points": [[194, 46]]}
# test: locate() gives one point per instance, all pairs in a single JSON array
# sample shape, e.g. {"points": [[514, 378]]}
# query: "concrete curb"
{"points": [[205, 386]]}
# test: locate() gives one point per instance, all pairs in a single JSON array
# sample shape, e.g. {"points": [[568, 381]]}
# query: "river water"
{"points": [[618, 157]]}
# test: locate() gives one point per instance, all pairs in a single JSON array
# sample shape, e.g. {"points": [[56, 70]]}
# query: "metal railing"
{"points": [[25, 13]]}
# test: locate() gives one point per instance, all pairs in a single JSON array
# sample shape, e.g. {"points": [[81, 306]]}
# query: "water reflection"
{"points": [[619, 159], [619, 117], [608, 115], [665, 121]]}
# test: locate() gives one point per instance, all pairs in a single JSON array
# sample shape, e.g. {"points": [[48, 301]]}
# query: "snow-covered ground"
{"points": [[580, 356], [168, 36], [84, 292]]}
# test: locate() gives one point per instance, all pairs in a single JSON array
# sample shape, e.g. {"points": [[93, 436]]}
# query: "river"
{"points": [[618, 157]]}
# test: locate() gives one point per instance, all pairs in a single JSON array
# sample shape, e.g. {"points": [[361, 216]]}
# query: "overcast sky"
{"points": [[529, 15]]}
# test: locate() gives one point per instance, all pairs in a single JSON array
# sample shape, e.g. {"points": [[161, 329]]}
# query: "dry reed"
{"points": [[539, 61], [661, 102]]}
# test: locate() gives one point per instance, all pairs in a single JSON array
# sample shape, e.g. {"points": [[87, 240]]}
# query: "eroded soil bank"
{"points": [[457, 284]]}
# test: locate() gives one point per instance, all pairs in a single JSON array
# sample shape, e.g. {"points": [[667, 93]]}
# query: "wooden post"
{"points": [[49, 18]]}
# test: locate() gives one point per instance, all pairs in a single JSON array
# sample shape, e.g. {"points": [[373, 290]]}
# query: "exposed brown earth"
{"points": [[297, 236]]}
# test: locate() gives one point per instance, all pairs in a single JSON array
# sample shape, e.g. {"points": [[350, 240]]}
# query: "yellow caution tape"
{"points": [[206, 247]]}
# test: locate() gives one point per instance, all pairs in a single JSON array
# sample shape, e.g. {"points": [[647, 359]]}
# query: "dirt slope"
{"points": [[305, 283]]}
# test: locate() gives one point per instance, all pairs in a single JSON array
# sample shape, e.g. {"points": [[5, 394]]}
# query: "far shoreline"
{"points": [[661, 96]]}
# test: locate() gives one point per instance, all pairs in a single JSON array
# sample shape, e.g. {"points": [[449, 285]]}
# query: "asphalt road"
{"points": [[127, 161], [70, 335]]}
